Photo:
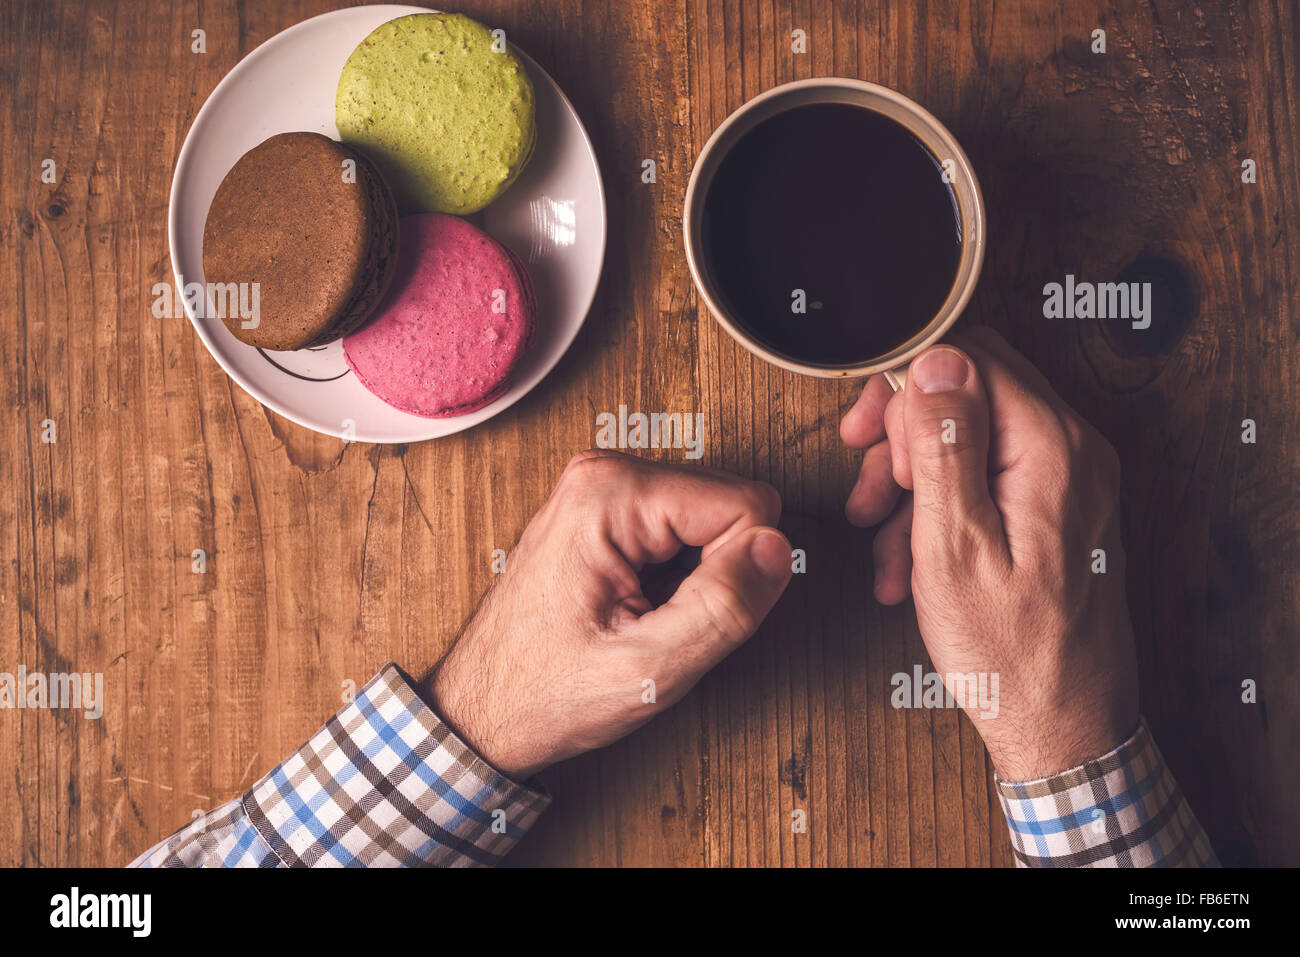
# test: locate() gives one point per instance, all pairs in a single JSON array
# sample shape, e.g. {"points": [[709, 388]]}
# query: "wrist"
{"points": [[462, 712], [1050, 744]]}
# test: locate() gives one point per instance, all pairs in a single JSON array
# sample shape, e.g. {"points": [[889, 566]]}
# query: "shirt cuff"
{"points": [[385, 783], [1123, 809]]}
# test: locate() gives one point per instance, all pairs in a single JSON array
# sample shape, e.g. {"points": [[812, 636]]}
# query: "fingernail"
{"points": [[771, 553], [940, 370]]}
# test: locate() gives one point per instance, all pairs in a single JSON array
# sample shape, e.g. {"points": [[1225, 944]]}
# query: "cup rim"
{"points": [[930, 131]]}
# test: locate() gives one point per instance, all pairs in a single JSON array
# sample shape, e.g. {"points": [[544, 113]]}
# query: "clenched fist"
{"points": [[995, 502], [569, 650]]}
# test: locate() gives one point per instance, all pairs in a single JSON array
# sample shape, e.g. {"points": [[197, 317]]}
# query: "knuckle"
{"points": [[948, 554], [963, 546], [1054, 438], [1076, 434], [586, 455], [949, 471], [945, 430], [764, 501], [727, 612], [1107, 462], [984, 334], [1094, 461], [593, 467]]}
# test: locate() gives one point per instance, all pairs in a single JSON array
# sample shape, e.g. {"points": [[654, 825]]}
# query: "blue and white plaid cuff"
{"points": [[1123, 809], [384, 783]]}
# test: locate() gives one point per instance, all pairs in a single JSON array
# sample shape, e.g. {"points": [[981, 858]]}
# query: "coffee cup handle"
{"points": [[896, 377]]}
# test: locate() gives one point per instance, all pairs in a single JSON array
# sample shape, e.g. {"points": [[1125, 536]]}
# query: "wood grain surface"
{"points": [[325, 560]]}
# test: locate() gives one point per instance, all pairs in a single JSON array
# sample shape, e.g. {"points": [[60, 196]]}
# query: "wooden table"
{"points": [[325, 561]]}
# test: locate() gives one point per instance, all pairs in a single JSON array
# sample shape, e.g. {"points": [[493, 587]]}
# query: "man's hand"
{"points": [[559, 656], [1010, 494]]}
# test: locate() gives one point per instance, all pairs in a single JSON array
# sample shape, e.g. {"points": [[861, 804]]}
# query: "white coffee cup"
{"points": [[913, 117]]}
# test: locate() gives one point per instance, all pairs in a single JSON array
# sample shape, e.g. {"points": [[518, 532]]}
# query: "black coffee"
{"points": [[846, 205]]}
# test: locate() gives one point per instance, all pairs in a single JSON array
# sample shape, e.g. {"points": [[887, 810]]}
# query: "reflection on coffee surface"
{"points": [[830, 234]]}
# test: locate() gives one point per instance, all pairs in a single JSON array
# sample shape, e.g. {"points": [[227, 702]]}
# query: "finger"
{"points": [[648, 510], [1033, 432], [864, 424], [724, 600], [946, 418], [902, 466], [875, 493], [990, 342], [892, 556], [638, 462], [1025, 423], [1021, 412], [995, 347]]}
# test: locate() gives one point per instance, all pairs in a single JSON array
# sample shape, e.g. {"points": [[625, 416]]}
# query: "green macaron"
{"points": [[442, 106]]}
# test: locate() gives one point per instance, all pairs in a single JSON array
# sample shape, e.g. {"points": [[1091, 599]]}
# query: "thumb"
{"points": [[725, 599], [946, 421]]}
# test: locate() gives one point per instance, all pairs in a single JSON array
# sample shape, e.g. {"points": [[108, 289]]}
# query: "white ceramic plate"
{"points": [[553, 217]]}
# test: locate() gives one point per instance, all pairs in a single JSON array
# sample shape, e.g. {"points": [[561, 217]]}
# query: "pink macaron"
{"points": [[459, 315]]}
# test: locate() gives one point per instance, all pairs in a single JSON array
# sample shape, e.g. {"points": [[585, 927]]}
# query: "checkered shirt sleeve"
{"points": [[1123, 809], [383, 784]]}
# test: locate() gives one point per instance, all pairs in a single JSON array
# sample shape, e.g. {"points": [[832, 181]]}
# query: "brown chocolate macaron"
{"points": [[317, 234]]}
